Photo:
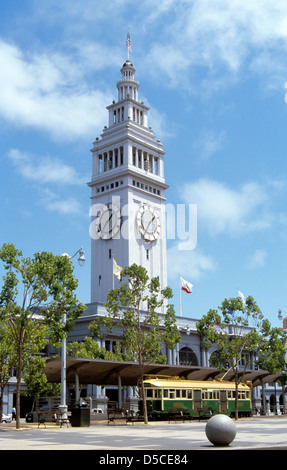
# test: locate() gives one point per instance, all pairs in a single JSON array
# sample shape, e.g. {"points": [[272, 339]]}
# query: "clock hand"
{"points": [[152, 219], [108, 221]]}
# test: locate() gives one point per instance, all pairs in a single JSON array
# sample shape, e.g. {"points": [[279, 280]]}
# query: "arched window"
{"points": [[187, 357]]}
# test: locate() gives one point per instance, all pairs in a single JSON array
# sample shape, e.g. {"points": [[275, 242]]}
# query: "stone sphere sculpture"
{"points": [[220, 430]]}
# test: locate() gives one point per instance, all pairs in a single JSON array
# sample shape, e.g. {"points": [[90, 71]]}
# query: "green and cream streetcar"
{"points": [[165, 394]]}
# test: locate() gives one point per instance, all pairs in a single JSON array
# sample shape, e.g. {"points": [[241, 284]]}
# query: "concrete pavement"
{"points": [[251, 434]]}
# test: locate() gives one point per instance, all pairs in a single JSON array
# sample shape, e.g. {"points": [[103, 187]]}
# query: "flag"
{"points": [[241, 296], [128, 43], [186, 286], [117, 270], [284, 324]]}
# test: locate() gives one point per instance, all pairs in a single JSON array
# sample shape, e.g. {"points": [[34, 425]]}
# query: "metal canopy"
{"points": [[101, 372]]}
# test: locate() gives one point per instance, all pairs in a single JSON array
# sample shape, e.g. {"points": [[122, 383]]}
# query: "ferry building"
{"points": [[128, 195]]}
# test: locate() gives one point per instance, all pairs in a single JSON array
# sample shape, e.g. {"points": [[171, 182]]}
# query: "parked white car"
{"points": [[6, 419], [97, 410]]}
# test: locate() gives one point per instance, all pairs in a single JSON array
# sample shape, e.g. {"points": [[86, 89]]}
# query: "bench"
{"points": [[205, 413], [131, 418], [114, 414], [178, 415], [53, 415], [47, 416]]}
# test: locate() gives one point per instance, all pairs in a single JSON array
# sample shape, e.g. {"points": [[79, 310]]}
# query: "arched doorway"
{"points": [[187, 357]]}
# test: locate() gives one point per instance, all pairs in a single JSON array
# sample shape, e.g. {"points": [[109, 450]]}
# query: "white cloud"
{"points": [[224, 209], [54, 203], [48, 92], [257, 259], [224, 36], [44, 169], [208, 143], [192, 265]]}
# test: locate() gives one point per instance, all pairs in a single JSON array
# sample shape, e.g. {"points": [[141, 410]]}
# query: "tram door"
{"points": [[223, 401], [196, 400]]}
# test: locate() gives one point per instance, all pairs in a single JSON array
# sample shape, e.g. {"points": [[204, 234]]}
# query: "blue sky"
{"points": [[213, 74]]}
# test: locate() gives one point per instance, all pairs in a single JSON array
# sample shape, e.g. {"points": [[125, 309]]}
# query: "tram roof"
{"points": [[102, 372], [212, 384]]}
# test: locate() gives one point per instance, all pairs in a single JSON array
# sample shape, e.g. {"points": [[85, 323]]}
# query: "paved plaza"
{"points": [[251, 434]]}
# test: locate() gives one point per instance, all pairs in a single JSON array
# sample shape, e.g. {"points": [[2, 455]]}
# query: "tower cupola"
{"points": [[128, 86]]}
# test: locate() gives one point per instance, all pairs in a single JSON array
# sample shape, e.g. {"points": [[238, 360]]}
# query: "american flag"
{"points": [[129, 42]]}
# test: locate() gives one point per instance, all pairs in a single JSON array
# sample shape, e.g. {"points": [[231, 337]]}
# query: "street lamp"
{"points": [[81, 261]]}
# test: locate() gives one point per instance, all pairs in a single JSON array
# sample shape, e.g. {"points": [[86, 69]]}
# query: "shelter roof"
{"points": [[102, 372]]}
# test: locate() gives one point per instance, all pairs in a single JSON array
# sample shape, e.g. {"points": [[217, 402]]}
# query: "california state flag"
{"points": [[186, 286]]}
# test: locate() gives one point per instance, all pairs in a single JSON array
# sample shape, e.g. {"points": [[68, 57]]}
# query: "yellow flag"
{"points": [[117, 270]]}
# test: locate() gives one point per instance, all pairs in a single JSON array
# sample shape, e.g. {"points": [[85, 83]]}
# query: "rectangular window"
{"points": [[100, 164], [171, 394]]}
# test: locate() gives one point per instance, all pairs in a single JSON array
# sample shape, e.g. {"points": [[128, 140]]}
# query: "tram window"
{"points": [[149, 393], [165, 393], [183, 393], [177, 393], [171, 394], [157, 394], [189, 394]]}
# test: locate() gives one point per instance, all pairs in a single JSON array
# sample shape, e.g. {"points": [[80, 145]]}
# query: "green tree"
{"points": [[7, 362], [36, 382], [35, 294], [134, 306], [89, 349], [237, 330], [272, 353]]}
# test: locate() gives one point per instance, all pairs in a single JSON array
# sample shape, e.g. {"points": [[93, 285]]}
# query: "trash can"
{"points": [[31, 417], [80, 417]]}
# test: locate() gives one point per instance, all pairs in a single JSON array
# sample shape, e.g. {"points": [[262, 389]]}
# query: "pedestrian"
{"points": [[13, 413]]}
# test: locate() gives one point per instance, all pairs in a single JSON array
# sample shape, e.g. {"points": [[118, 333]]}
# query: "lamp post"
{"points": [[280, 318], [81, 261]]}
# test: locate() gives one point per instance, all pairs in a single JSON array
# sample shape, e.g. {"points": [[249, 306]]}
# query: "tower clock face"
{"points": [[148, 223], [109, 223]]}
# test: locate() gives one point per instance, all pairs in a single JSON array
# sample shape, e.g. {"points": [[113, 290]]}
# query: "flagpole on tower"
{"points": [[128, 44]]}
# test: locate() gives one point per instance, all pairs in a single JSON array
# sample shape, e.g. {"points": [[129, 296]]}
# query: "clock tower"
{"points": [[128, 193]]}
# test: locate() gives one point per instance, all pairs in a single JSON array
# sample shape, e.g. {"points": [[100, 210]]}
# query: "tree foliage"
{"points": [[134, 306], [89, 349], [35, 294], [237, 330]]}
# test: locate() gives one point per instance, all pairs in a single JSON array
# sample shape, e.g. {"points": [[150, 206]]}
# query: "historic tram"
{"points": [[167, 394]]}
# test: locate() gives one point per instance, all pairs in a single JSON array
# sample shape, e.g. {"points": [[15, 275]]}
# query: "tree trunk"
{"points": [[19, 376], [1, 401], [144, 401], [236, 394]]}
